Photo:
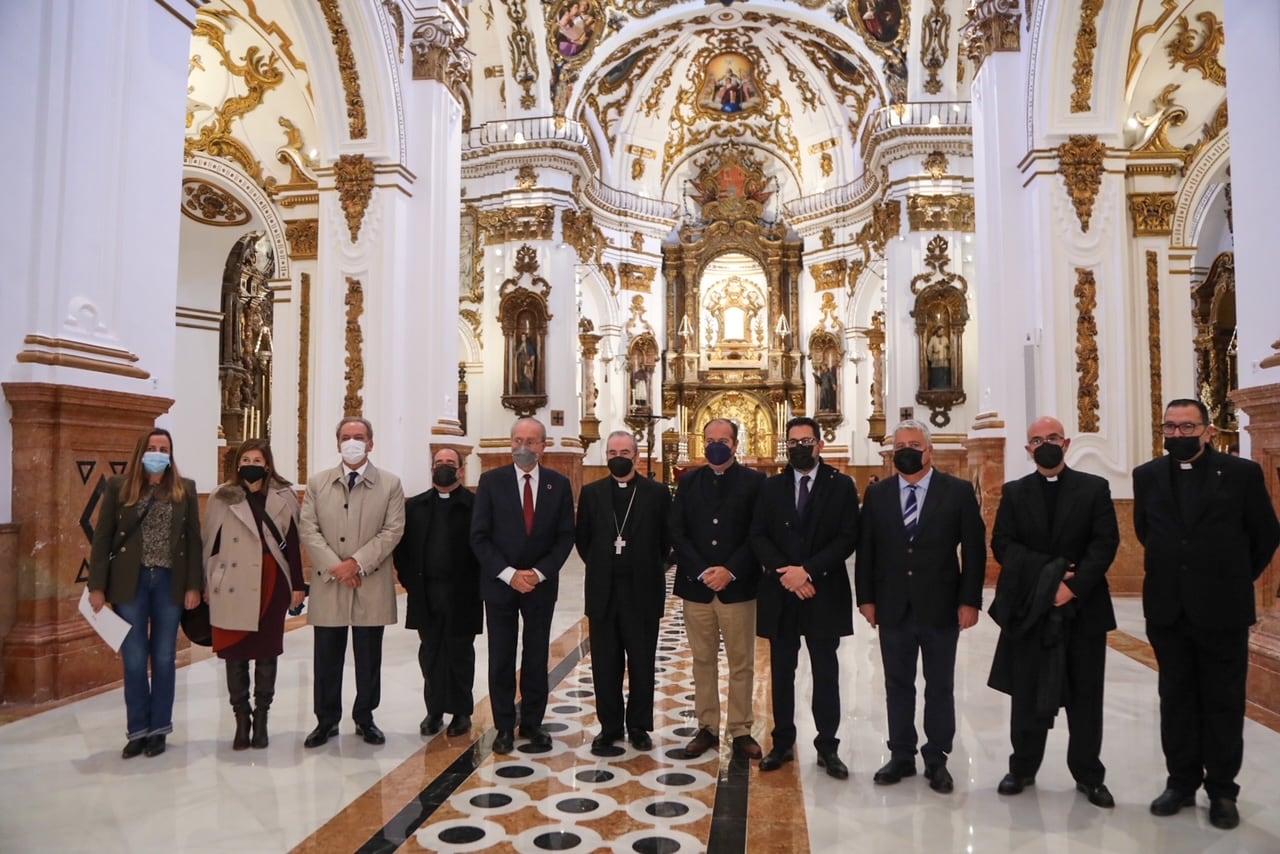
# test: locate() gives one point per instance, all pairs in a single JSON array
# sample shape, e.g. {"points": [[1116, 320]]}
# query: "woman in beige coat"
{"points": [[253, 575]]}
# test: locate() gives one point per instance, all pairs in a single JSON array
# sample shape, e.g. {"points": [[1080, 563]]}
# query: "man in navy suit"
{"points": [[1055, 537], [913, 588], [521, 532], [804, 528], [1209, 530]]}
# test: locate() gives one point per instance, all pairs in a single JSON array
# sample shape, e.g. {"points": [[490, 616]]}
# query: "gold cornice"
{"points": [[353, 401], [1164, 170], [1086, 44], [303, 236], [830, 275], [516, 224], [353, 178], [1080, 161], [952, 212], [297, 201], [1152, 214], [1153, 351], [990, 26], [346, 68], [1199, 50], [66, 353], [1086, 293], [633, 277]]}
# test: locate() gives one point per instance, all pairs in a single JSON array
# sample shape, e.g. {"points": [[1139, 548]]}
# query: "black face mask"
{"points": [[620, 467], [252, 474], [908, 460], [1182, 448], [444, 475], [718, 453], [801, 457], [1048, 455]]}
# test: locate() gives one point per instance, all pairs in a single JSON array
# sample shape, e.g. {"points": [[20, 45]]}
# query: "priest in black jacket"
{"points": [[441, 578], [621, 536], [1209, 530], [803, 530], [1055, 537]]}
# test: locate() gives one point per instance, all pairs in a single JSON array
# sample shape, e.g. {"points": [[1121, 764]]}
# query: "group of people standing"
{"points": [[754, 556]]}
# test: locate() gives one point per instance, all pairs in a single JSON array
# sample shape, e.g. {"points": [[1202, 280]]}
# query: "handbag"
{"points": [[196, 625]]}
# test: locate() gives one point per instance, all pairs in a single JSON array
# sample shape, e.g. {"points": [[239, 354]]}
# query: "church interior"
{"points": [[251, 218]]}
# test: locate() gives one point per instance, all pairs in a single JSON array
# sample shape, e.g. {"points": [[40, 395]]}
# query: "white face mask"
{"points": [[353, 451]]}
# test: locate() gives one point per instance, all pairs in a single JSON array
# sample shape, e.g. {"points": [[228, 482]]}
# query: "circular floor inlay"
{"points": [[596, 775], [578, 806], [534, 748], [579, 693], [667, 809], [461, 835], [676, 778], [489, 800], [611, 750], [655, 845], [566, 710], [555, 727], [685, 731], [514, 772], [557, 840]]}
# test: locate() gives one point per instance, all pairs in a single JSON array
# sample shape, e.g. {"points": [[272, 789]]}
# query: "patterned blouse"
{"points": [[156, 530]]}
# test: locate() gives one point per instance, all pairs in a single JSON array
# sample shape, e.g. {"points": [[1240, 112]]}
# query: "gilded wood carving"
{"points": [[1086, 293]]}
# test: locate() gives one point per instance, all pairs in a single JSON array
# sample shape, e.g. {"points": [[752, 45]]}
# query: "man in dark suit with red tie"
{"points": [[911, 586], [1055, 537], [522, 533], [1209, 530], [804, 528]]}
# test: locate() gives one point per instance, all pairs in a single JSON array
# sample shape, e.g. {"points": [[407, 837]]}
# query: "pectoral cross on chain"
{"points": [[619, 544]]}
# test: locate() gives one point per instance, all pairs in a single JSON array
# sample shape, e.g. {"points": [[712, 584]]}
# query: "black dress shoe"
{"points": [[893, 771], [1171, 801], [774, 759], [1099, 795], [1012, 784], [370, 733], [504, 742], [155, 745], [431, 724], [320, 735], [640, 739], [939, 779], [1223, 813], [702, 741], [537, 736], [460, 725], [835, 765], [601, 745], [745, 745], [134, 748]]}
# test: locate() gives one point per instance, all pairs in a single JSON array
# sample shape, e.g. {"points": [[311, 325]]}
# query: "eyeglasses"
{"points": [[1052, 439], [1187, 428], [531, 443], [806, 442]]}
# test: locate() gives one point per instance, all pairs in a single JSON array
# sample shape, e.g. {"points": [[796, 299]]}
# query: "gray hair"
{"points": [[635, 445], [352, 419], [526, 419], [918, 426]]}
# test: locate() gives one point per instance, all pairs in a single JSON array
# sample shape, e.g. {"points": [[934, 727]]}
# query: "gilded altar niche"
{"points": [[732, 300], [245, 342], [941, 312], [523, 315], [1217, 371]]}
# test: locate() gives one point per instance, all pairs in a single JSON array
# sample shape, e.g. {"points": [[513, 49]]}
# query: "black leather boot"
{"points": [[238, 689], [264, 690]]}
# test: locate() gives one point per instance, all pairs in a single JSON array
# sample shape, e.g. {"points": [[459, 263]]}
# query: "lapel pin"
{"points": [[548, 487]]}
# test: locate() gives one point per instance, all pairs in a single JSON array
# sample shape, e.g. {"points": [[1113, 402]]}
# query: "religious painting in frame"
{"points": [[730, 87]]}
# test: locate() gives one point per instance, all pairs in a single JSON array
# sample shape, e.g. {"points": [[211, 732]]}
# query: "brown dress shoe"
{"points": [[703, 741], [745, 745]]}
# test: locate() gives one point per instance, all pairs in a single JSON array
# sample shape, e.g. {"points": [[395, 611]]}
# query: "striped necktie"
{"points": [[911, 513]]}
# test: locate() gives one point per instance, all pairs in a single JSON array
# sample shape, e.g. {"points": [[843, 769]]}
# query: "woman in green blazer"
{"points": [[146, 563]]}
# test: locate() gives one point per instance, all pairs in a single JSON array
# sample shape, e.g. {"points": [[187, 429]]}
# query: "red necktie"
{"points": [[528, 504]]}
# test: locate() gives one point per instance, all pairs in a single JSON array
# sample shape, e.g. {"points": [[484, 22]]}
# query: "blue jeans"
{"points": [[149, 705]]}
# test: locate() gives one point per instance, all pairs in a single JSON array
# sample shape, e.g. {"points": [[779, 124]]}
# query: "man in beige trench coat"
{"points": [[351, 520]]}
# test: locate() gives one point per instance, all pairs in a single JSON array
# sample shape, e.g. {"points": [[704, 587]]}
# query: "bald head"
{"points": [[1045, 426]]}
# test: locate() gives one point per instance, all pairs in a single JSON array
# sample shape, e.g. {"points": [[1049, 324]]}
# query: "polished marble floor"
{"points": [[63, 786]]}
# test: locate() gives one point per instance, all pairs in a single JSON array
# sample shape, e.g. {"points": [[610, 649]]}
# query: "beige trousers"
{"points": [[705, 625]]}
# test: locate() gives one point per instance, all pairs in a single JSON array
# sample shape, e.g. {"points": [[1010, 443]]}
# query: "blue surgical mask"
{"points": [[155, 462]]}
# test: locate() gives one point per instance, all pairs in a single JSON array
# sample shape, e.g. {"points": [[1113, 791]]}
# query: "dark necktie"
{"points": [[911, 513], [528, 504], [352, 477], [802, 499]]}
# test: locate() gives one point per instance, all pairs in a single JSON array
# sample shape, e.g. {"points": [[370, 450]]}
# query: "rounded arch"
{"points": [[1192, 200], [754, 414], [232, 180]]}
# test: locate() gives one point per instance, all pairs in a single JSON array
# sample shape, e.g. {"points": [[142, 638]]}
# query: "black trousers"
{"points": [[624, 640], [784, 655], [1202, 703], [448, 665], [901, 646], [1086, 672], [503, 620], [329, 659]]}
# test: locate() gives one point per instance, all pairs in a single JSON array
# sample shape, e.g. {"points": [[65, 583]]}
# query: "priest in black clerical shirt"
{"points": [[1055, 537], [622, 538]]}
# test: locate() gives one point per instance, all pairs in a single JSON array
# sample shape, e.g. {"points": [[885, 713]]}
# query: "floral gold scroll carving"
{"points": [[303, 236], [210, 205], [1153, 352], [934, 45], [341, 39], [1086, 44], [510, 225], [940, 213], [440, 54], [304, 366], [634, 277], [829, 276], [1199, 50], [1080, 162], [1151, 213], [353, 177], [1086, 294], [990, 26], [353, 401]]}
